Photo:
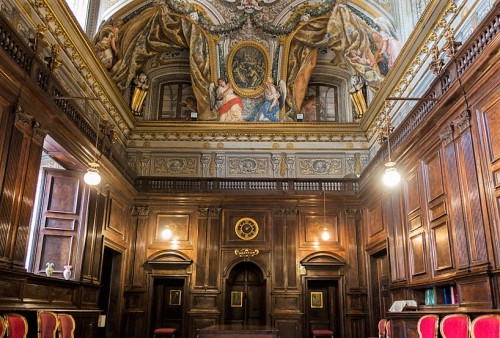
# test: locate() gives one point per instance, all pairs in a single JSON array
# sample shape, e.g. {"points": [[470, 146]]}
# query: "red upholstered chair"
{"points": [[322, 333], [428, 326], [388, 329], [380, 329], [165, 331], [485, 326], [47, 324], [17, 326], [455, 326], [66, 325], [3, 327]]}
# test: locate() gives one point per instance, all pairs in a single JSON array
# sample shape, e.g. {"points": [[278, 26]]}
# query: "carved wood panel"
{"points": [[312, 224], [397, 236], [490, 125], [440, 238]]}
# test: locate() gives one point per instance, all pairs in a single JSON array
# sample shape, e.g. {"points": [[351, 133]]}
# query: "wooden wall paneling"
{"points": [[180, 220], [92, 252], [280, 242], [288, 325], [457, 219], [440, 237], [28, 191], [201, 249], [470, 189], [291, 244], [418, 250], [355, 277], [6, 121], [141, 215], [488, 119], [200, 321], [393, 217], [134, 324], [355, 326], [231, 216], [475, 291], [213, 268], [15, 175], [374, 223], [119, 215]]}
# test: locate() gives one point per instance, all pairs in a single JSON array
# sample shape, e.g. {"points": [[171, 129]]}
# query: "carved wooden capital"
{"points": [[285, 213], [39, 133], [462, 122], [141, 210], [214, 213], [446, 136], [23, 121]]}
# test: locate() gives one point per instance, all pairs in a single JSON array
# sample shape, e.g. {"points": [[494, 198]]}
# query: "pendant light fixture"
{"points": [[391, 176], [325, 235], [92, 176]]}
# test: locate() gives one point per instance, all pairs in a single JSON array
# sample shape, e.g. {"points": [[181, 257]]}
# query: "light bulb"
{"points": [[92, 176], [325, 235], [166, 233], [391, 176]]}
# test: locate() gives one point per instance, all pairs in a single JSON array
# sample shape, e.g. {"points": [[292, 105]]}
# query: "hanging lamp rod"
{"points": [[410, 99], [76, 98]]}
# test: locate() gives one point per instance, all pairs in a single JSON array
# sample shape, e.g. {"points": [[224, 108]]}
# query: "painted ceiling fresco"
{"points": [[249, 60]]}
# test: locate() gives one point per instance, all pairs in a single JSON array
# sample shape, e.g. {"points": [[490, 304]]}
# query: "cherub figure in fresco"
{"points": [[106, 44], [388, 44], [309, 108], [231, 107], [189, 106]]}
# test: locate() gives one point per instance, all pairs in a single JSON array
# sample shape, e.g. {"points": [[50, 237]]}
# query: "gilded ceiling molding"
{"points": [[433, 38], [51, 15]]}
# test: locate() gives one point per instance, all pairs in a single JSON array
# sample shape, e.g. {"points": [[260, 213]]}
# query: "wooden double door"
{"points": [[245, 298]]}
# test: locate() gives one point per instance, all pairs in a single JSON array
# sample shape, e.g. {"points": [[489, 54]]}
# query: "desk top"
{"points": [[239, 328]]}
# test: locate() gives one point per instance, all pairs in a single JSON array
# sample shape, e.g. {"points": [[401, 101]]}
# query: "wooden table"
{"points": [[238, 331]]}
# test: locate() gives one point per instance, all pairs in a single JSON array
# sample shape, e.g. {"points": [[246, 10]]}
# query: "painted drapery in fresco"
{"points": [[157, 30]]}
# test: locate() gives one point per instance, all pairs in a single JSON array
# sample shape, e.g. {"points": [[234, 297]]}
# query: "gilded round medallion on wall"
{"points": [[246, 228]]}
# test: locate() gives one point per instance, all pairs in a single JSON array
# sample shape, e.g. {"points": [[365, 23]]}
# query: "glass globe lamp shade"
{"points": [[325, 235], [92, 176], [391, 176], [166, 233]]}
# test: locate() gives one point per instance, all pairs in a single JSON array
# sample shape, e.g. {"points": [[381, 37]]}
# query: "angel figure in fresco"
{"points": [[140, 91], [106, 44], [269, 109], [389, 45], [230, 107]]}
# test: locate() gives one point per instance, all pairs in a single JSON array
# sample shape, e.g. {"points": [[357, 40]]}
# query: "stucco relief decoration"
{"points": [[248, 166], [174, 166], [319, 167]]}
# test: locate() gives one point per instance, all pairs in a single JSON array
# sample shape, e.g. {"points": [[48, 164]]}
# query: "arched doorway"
{"points": [[245, 299]]}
